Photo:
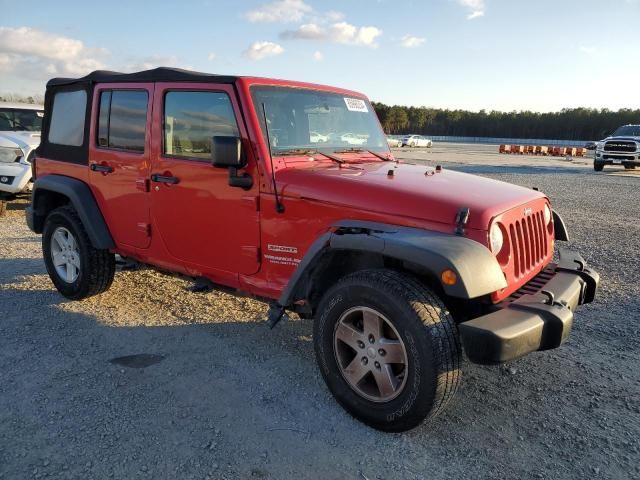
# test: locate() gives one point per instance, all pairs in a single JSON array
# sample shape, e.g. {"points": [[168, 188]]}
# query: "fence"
{"points": [[510, 141]]}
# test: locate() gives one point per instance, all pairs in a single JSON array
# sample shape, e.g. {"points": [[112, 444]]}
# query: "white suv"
{"points": [[20, 125]]}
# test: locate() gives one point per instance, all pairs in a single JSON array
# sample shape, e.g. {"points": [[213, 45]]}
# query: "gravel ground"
{"points": [[227, 398]]}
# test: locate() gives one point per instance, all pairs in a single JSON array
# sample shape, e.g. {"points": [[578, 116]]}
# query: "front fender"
{"points": [[477, 269]]}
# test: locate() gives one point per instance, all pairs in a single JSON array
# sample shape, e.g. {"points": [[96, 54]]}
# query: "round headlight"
{"points": [[496, 239], [547, 215]]}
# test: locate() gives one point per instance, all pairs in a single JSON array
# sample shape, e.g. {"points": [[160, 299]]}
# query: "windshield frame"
{"points": [[320, 147], [13, 111]]}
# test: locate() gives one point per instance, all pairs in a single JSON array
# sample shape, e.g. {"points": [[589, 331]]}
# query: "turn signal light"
{"points": [[449, 277]]}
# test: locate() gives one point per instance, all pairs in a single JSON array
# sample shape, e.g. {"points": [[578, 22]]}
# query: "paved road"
{"points": [[230, 399]]}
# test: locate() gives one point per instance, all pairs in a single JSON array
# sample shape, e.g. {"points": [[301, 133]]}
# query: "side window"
{"points": [[122, 119], [67, 118], [192, 118]]}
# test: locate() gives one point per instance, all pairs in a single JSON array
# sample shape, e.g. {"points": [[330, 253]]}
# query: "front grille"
{"points": [[534, 285], [528, 242], [620, 146]]}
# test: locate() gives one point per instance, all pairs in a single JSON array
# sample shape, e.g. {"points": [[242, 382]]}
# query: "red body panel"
{"points": [[235, 237]]}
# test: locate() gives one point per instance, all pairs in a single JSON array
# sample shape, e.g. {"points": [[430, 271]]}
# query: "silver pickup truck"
{"points": [[621, 148]]}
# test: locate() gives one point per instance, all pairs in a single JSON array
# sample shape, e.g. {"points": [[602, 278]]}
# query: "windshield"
{"points": [[17, 120], [302, 119], [627, 131]]}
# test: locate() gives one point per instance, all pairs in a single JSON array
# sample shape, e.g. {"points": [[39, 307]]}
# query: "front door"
{"points": [[119, 160], [210, 226]]}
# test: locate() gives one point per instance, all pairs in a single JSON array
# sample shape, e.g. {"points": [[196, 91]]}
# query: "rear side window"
{"points": [[192, 118], [122, 119], [67, 118]]}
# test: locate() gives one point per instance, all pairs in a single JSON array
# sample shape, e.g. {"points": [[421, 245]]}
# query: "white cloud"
{"points": [[36, 52], [307, 31], [409, 41], [476, 8], [152, 61], [281, 11], [341, 32], [211, 57], [318, 56], [260, 50]]}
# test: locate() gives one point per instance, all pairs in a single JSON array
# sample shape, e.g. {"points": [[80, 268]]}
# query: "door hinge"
{"points": [[142, 184], [144, 228]]}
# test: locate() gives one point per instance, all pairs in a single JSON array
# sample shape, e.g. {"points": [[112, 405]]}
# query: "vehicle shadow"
{"points": [[11, 269], [232, 384]]}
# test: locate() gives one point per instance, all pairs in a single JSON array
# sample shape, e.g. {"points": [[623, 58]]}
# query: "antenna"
{"points": [[279, 206]]}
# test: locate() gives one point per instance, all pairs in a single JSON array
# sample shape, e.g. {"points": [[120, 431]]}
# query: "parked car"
{"points": [[315, 137], [20, 125], [399, 265], [416, 141], [622, 147], [354, 139], [591, 145], [393, 142]]}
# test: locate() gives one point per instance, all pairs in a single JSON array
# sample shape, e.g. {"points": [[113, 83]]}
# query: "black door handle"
{"points": [[164, 179], [96, 167]]}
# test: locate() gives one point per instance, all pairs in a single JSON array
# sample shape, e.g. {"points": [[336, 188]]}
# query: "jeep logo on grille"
{"points": [[528, 211]]}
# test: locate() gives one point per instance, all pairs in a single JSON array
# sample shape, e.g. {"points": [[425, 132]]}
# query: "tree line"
{"points": [[567, 124], [17, 98]]}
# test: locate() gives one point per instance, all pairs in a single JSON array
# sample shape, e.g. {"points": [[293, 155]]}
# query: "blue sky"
{"points": [[541, 55]]}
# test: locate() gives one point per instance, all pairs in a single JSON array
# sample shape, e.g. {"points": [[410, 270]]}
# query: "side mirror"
{"points": [[227, 152]]}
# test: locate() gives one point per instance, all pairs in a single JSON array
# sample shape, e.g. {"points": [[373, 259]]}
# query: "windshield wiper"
{"points": [[388, 158], [309, 151]]}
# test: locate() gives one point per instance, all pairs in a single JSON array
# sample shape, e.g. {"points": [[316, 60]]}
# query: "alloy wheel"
{"points": [[370, 354]]}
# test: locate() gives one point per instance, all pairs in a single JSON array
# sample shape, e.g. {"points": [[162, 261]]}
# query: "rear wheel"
{"points": [[597, 166], [77, 269], [387, 348]]}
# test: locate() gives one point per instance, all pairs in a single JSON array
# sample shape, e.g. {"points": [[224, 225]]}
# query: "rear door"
{"points": [[119, 159], [203, 221]]}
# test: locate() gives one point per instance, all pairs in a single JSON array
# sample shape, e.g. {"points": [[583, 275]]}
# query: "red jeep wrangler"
{"points": [[288, 191]]}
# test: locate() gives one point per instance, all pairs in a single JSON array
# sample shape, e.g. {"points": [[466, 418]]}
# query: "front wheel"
{"points": [[597, 166], [630, 167], [77, 269], [388, 349]]}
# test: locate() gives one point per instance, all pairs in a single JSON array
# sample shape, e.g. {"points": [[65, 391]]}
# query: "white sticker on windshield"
{"points": [[356, 105], [40, 114]]}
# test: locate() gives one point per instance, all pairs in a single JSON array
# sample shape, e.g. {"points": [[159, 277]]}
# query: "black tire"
{"points": [[630, 167], [3, 207], [425, 327], [597, 166], [97, 267]]}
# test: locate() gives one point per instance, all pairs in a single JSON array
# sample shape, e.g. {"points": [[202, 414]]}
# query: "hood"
{"points": [[631, 139], [24, 140], [413, 191]]}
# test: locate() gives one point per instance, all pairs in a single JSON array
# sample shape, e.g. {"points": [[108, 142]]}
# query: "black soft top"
{"points": [[160, 74]]}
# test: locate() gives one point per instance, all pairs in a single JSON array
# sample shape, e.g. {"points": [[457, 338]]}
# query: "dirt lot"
{"points": [[231, 399]]}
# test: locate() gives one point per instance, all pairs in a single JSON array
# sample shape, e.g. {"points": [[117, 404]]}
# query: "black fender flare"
{"points": [[82, 200], [477, 269], [559, 228]]}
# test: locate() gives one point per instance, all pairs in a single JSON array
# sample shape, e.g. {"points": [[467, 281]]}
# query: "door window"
{"points": [[192, 118], [122, 119]]}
